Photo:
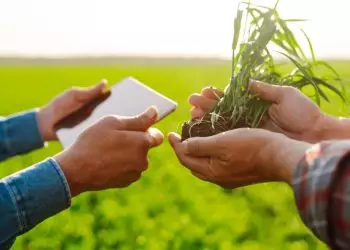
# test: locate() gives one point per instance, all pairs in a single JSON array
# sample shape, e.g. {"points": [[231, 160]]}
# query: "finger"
{"points": [[268, 92], [174, 139], [177, 145], [196, 164], [212, 93], [202, 102], [202, 146], [197, 112], [155, 137], [145, 140], [91, 93], [141, 122]]}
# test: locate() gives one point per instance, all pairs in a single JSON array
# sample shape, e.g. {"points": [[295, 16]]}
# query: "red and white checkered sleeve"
{"points": [[321, 185]]}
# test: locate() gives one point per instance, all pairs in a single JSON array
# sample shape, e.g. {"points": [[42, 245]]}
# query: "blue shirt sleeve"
{"points": [[30, 196], [19, 134]]}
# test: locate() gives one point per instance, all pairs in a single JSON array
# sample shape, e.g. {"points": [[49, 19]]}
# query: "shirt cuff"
{"points": [[21, 133], [37, 193], [312, 181]]}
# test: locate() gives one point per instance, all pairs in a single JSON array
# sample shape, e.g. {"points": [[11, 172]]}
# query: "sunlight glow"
{"points": [[153, 27]]}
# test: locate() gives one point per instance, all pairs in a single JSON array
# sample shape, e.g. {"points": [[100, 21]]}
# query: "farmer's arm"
{"points": [[334, 128], [30, 196], [23, 132], [90, 164], [19, 134], [319, 174], [321, 184]]}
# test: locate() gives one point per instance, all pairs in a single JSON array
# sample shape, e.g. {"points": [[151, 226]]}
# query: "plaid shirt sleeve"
{"points": [[321, 185]]}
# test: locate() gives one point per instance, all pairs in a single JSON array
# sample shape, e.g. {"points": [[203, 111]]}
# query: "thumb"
{"points": [[174, 139], [155, 136], [141, 122], [91, 93], [265, 91], [202, 146], [196, 146]]}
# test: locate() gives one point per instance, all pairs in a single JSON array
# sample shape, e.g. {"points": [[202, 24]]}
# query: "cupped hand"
{"points": [[64, 105], [240, 157], [112, 153], [291, 112]]}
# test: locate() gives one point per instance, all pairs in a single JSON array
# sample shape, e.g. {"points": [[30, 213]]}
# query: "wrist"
{"points": [[70, 169], [283, 157], [329, 128], [43, 118]]}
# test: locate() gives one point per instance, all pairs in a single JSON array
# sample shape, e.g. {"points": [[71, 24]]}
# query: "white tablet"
{"points": [[127, 98]]}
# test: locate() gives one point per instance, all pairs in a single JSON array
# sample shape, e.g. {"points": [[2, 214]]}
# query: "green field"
{"points": [[168, 208]]}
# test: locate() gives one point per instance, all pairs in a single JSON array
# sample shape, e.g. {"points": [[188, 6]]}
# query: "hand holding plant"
{"points": [[291, 112], [240, 157], [255, 28]]}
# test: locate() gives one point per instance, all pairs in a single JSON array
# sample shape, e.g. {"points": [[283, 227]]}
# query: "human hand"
{"points": [[291, 112], [112, 153], [64, 105], [205, 101], [240, 157]]}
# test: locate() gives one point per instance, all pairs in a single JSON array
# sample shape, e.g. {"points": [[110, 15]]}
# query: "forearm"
{"points": [[282, 154], [29, 197], [332, 128], [19, 134]]}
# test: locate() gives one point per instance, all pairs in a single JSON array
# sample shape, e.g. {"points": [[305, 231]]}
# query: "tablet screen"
{"points": [[127, 98]]}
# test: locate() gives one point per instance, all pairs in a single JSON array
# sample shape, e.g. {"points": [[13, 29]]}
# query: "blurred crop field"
{"points": [[167, 208]]}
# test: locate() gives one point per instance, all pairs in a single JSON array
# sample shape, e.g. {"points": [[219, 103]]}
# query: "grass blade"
{"points": [[331, 87], [251, 58], [310, 46], [237, 27], [295, 20], [306, 75], [328, 66]]}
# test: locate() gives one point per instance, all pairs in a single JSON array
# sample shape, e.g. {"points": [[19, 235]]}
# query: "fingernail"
{"points": [[156, 135], [172, 137], [105, 89], [152, 113]]}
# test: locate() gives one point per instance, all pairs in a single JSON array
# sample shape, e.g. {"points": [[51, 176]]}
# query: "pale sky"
{"points": [[153, 27]]}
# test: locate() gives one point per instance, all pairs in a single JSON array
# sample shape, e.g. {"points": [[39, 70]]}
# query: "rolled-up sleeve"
{"points": [[19, 134], [321, 185], [29, 197]]}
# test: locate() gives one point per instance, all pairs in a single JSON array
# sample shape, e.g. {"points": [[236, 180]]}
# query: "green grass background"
{"points": [[168, 208]]}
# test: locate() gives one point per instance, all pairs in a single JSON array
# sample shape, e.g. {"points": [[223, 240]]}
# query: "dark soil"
{"points": [[203, 127]]}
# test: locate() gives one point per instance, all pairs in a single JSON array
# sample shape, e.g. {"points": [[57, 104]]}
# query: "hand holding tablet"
{"points": [[129, 97]]}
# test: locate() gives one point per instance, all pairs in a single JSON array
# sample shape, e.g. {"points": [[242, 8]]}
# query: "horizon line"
{"points": [[132, 56]]}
